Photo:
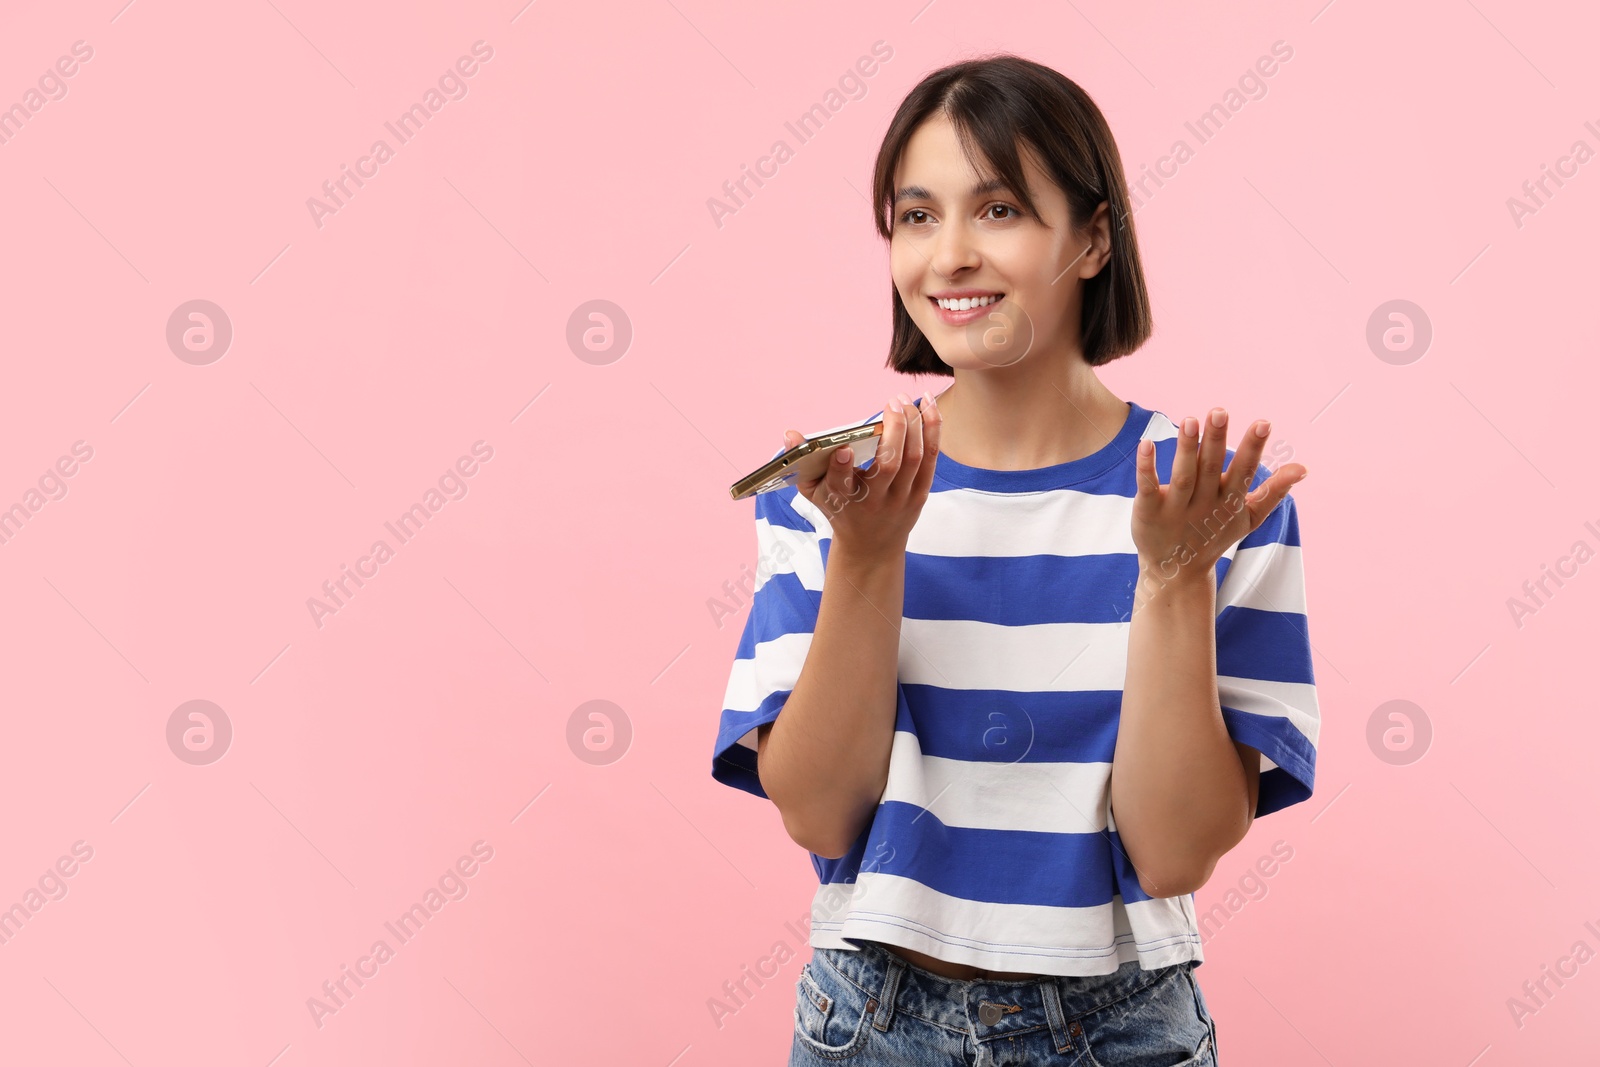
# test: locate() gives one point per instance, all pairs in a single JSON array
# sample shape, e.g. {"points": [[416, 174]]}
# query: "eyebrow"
{"points": [[918, 192]]}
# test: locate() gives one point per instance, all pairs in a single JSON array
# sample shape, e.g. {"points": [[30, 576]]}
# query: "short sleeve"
{"points": [[1264, 677], [790, 560]]}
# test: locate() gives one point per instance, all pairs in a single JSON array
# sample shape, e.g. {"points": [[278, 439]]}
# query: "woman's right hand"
{"points": [[872, 511]]}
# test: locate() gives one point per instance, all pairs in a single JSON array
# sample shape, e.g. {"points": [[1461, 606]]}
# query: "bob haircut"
{"points": [[995, 104]]}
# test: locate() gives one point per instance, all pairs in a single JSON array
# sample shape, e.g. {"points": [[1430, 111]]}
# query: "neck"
{"points": [[1024, 417]]}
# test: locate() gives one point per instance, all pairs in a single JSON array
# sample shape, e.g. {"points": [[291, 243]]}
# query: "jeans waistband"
{"points": [[985, 1006]]}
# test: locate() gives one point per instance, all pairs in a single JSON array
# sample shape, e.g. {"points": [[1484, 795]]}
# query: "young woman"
{"points": [[1059, 661]]}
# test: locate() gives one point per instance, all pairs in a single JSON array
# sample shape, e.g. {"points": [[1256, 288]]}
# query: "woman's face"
{"points": [[956, 236]]}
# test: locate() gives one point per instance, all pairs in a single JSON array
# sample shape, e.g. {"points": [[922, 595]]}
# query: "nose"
{"points": [[954, 250]]}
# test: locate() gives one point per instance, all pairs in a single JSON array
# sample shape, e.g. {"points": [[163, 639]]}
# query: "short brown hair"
{"points": [[994, 103]]}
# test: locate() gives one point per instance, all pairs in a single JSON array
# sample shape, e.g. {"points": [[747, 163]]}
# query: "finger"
{"points": [[910, 452], [1180, 487], [1213, 454], [842, 482], [1148, 493], [1270, 493], [1246, 463], [886, 461], [932, 423]]}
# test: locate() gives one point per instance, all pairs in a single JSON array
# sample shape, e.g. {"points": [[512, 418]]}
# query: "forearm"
{"points": [[1178, 790], [825, 761]]}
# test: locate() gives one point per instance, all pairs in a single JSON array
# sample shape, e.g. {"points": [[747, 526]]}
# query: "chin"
{"points": [[986, 344], [961, 360], [966, 351]]}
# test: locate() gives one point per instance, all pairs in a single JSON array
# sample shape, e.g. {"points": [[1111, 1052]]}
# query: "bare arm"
{"points": [[824, 761], [1183, 790]]}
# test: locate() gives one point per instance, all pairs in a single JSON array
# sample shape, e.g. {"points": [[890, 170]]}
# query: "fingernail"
{"points": [[1191, 426], [894, 405], [842, 456], [1219, 417], [903, 398], [1263, 428]]}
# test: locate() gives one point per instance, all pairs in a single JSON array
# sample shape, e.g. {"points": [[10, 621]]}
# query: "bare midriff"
{"points": [[960, 971]]}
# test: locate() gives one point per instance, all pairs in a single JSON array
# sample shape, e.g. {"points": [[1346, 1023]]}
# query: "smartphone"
{"points": [[810, 458]]}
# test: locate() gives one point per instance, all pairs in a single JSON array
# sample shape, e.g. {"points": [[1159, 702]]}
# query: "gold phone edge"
{"points": [[746, 486]]}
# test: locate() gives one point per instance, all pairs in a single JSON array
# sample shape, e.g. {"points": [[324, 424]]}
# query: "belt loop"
{"points": [[1052, 1012], [884, 1002]]}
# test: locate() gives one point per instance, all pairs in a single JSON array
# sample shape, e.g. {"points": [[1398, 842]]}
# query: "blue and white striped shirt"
{"points": [[994, 844]]}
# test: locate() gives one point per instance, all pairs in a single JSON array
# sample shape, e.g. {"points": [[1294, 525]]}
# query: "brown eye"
{"points": [[1012, 212], [906, 218]]}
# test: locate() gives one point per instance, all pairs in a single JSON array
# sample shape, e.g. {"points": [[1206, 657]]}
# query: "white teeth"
{"points": [[967, 303]]}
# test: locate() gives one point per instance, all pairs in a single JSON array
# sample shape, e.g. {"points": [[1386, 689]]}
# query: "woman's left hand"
{"points": [[1185, 526]]}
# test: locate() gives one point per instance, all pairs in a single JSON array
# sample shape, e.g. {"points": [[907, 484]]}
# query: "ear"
{"points": [[1098, 233]]}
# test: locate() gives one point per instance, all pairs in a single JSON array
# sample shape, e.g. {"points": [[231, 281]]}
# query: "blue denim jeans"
{"points": [[873, 1007]]}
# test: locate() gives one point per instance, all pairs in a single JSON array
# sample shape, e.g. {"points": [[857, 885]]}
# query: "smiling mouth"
{"points": [[967, 303]]}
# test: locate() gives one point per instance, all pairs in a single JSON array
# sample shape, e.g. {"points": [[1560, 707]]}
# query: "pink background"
{"points": [[438, 706]]}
